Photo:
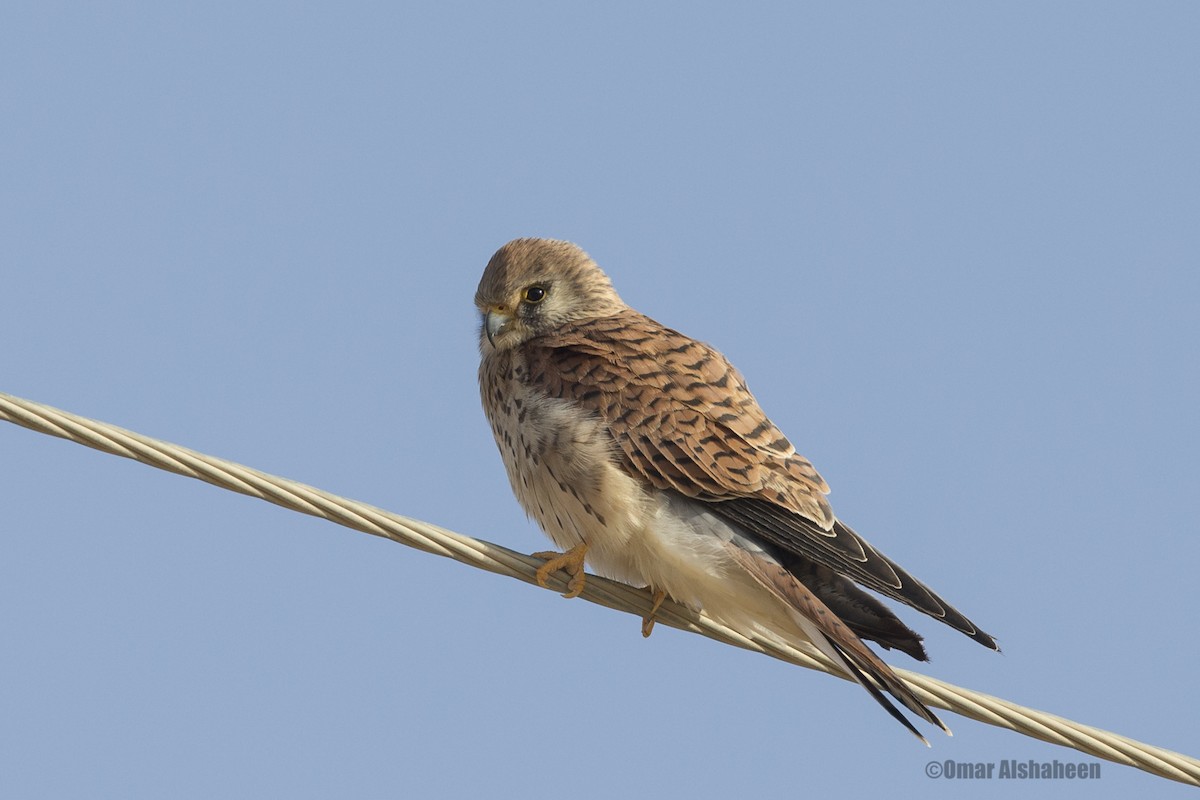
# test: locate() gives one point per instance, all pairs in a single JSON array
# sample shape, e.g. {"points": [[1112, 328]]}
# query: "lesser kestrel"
{"points": [[642, 452]]}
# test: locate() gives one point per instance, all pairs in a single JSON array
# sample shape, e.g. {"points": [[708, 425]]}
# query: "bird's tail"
{"points": [[833, 638]]}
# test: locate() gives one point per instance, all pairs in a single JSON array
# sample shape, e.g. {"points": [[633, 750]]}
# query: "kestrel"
{"points": [[642, 452]]}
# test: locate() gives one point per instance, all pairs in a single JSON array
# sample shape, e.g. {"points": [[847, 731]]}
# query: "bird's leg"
{"points": [[648, 620], [571, 562]]}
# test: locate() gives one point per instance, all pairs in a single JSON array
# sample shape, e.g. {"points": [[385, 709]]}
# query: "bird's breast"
{"points": [[562, 464]]}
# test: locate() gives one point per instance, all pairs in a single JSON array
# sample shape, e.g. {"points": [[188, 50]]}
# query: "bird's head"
{"points": [[534, 286]]}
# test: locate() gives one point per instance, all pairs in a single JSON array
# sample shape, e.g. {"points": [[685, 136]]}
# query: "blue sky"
{"points": [[953, 247]]}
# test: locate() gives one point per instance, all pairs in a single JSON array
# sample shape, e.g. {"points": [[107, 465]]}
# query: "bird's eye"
{"points": [[534, 294]]}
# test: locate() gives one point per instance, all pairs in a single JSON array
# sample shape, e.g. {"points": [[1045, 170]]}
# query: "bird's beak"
{"points": [[494, 323]]}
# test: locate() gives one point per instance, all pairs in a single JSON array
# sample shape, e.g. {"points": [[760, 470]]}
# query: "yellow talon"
{"points": [[570, 562], [648, 620]]}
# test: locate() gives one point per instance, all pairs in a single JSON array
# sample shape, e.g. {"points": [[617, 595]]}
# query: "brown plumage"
{"points": [[644, 450]]}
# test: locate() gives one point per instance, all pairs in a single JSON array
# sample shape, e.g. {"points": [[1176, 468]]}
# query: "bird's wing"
{"points": [[680, 412], [684, 420], [838, 549]]}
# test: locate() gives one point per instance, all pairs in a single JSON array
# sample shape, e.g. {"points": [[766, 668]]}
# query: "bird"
{"points": [[643, 455]]}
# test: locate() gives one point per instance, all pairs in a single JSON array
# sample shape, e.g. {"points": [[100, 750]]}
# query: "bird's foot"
{"points": [[648, 620], [570, 562]]}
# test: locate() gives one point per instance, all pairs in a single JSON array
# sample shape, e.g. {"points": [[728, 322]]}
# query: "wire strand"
{"points": [[620, 597]]}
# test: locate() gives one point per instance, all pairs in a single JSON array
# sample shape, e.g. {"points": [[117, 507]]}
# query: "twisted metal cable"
{"points": [[500, 560]]}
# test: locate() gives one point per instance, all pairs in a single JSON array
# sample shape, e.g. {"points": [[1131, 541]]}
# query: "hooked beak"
{"points": [[494, 323]]}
